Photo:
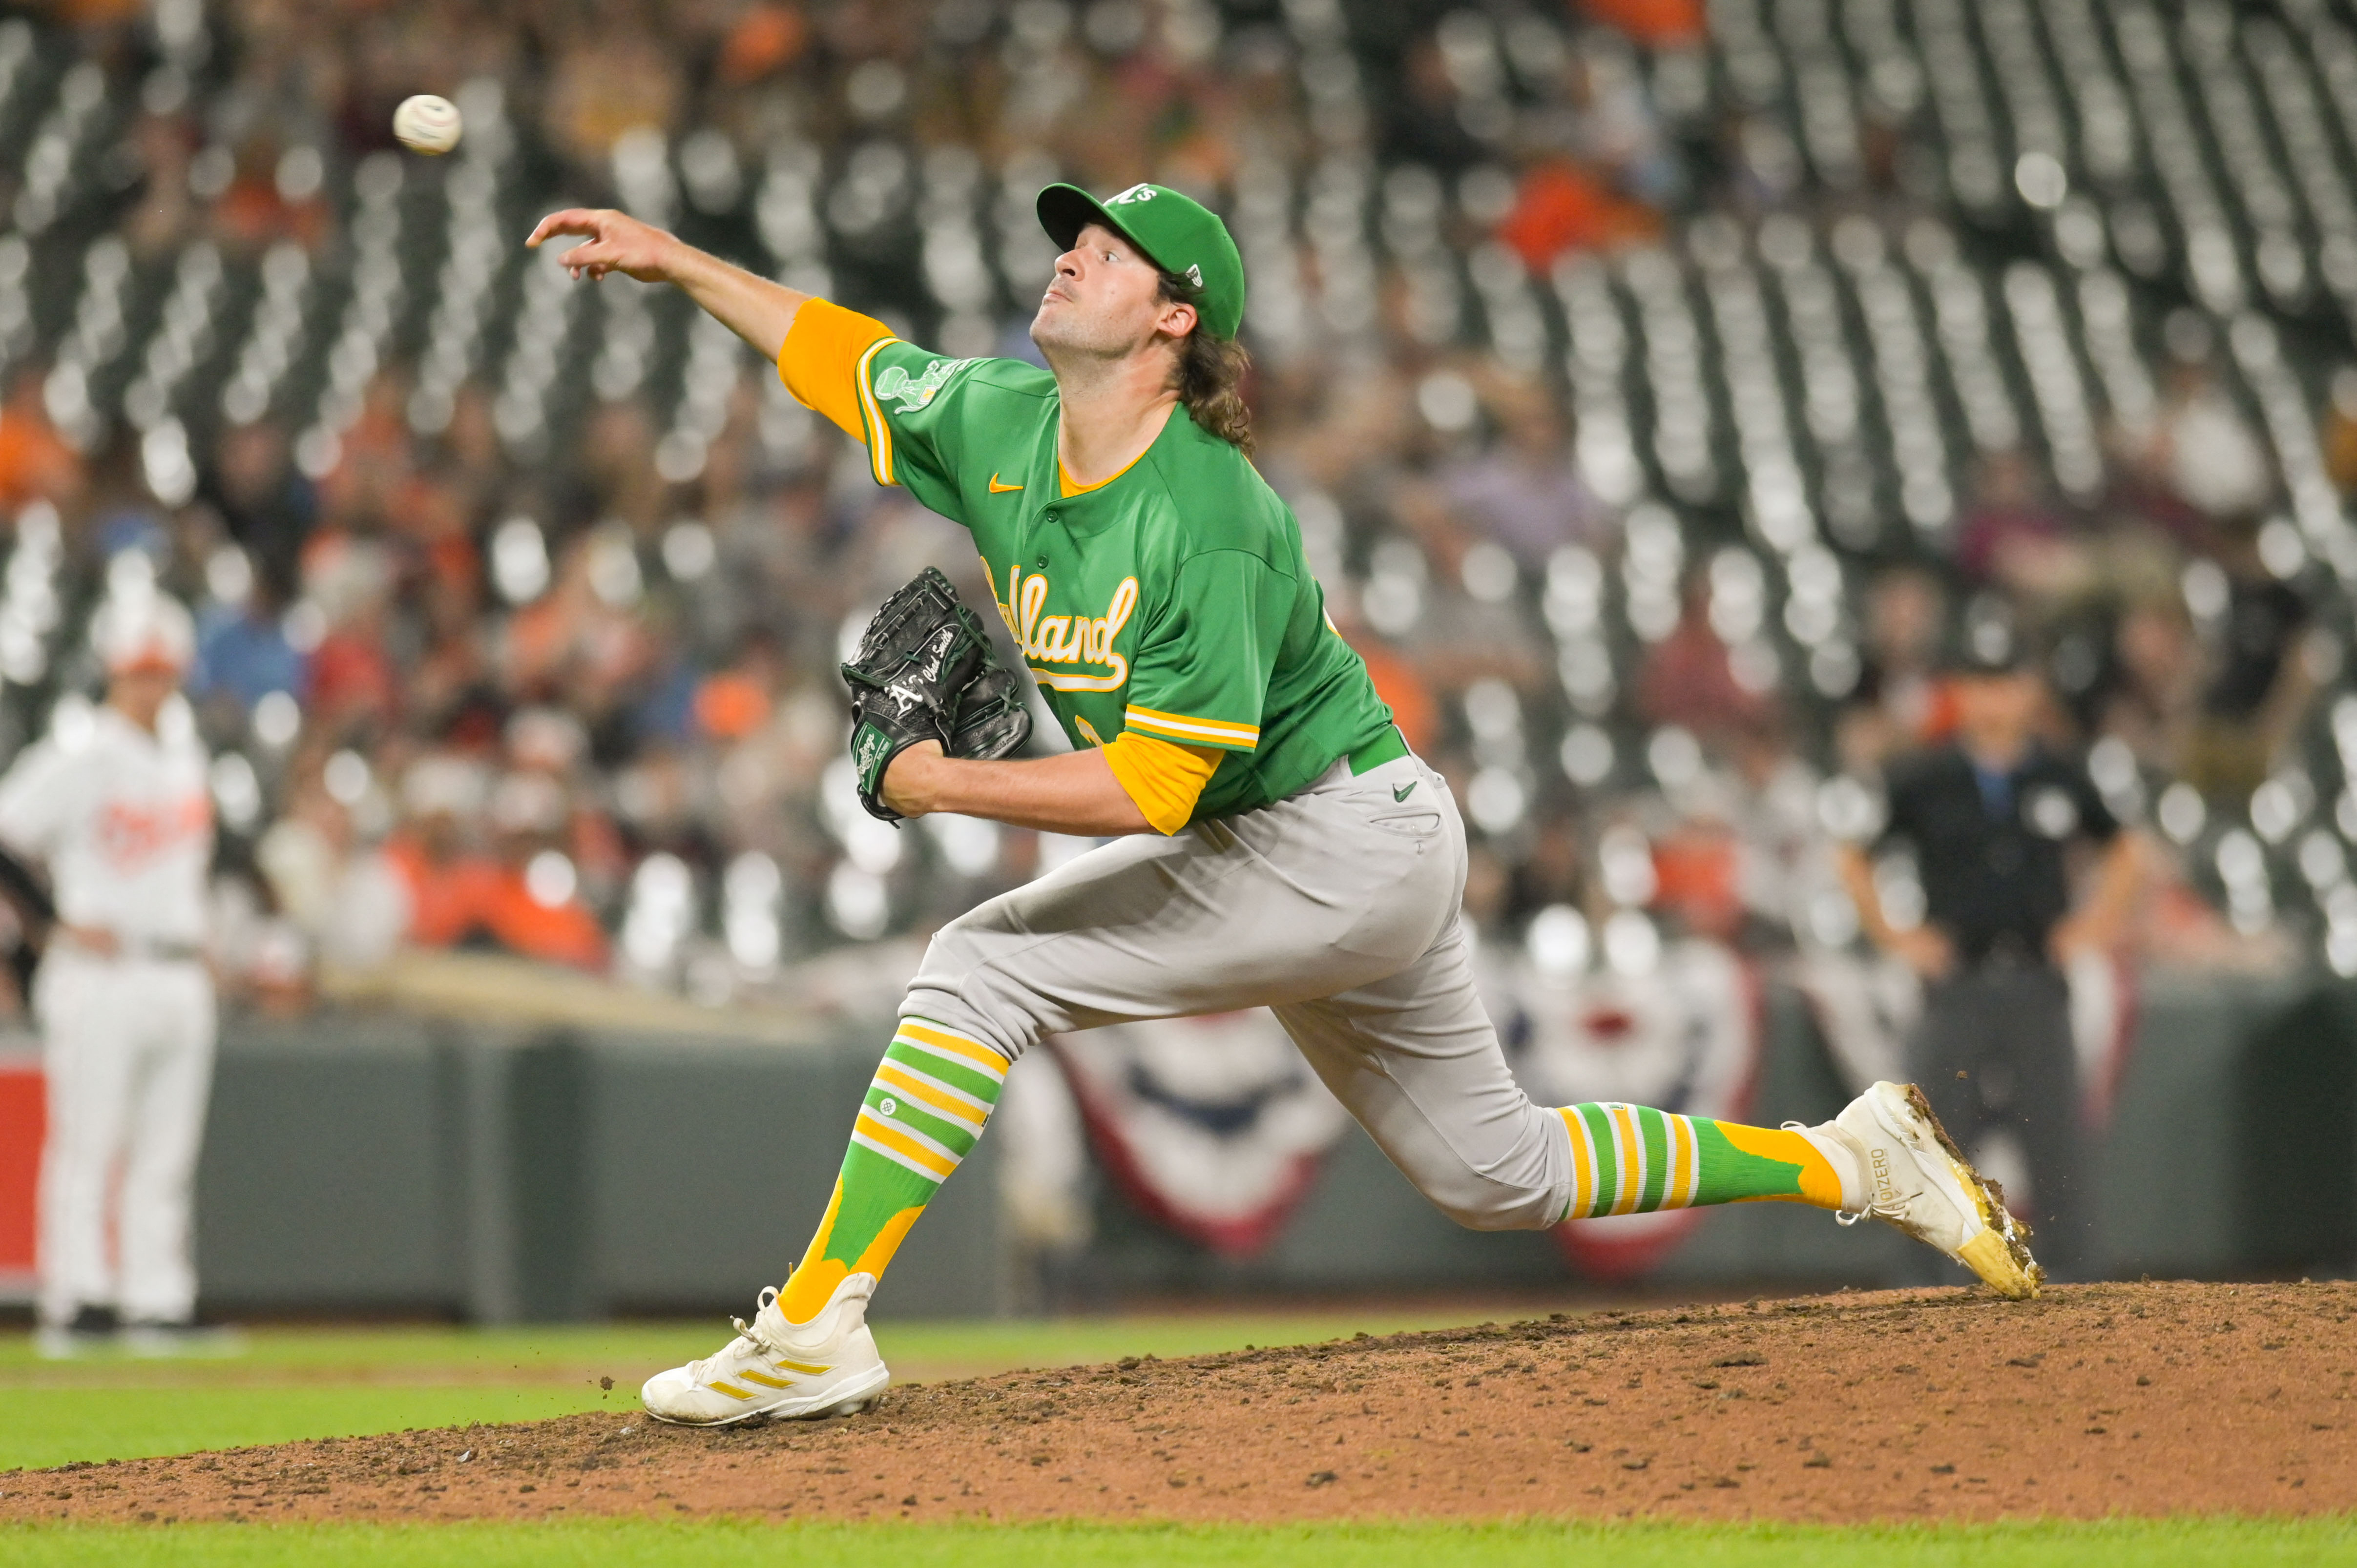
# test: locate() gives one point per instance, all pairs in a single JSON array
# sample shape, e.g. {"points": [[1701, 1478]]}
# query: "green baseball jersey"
{"points": [[1172, 600]]}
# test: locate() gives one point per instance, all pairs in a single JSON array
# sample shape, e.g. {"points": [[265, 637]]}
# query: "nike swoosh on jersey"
{"points": [[1405, 790], [998, 489]]}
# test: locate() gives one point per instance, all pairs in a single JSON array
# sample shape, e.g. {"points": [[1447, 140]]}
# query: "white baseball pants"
{"points": [[1337, 909], [127, 1045]]}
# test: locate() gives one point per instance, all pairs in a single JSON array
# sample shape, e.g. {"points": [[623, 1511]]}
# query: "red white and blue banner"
{"points": [[1214, 1126]]}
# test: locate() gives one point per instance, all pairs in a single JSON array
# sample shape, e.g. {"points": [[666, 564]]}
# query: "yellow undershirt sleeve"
{"points": [[1164, 778], [819, 362]]}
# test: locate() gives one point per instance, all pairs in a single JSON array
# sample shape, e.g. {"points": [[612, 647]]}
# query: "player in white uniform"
{"points": [[113, 801]]}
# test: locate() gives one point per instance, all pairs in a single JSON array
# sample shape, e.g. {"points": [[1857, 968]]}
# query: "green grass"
{"points": [[622, 1543], [293, 1383]]}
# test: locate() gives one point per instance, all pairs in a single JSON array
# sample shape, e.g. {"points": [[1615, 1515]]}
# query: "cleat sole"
{"points": [[2000, 1253]]}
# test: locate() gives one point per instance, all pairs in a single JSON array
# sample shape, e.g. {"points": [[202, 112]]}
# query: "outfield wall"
{"points": [[371, 1161]]}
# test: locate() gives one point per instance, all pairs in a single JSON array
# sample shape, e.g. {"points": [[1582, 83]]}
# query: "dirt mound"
{"points": [[2143, 1398]]}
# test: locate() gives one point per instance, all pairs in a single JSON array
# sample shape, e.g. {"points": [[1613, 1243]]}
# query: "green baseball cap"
{"points": [[1176, 232]]}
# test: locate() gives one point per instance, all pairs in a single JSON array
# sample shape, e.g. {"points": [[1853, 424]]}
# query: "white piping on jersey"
{"points": [[880, 436], [1185, 728]]}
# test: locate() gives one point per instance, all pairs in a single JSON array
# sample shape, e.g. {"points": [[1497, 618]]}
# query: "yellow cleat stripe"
{"points": [[764, 1379], [730, 1390], [806, 1369]]}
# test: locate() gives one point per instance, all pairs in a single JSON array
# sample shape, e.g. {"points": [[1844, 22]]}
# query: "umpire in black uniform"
{"points": [[1994, 818]]}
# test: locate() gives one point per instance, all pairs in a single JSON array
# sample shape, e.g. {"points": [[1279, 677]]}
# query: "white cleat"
{"points": [[791, 1370], [1924, 1184]]}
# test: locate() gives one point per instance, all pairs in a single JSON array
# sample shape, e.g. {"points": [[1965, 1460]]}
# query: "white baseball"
{"points": [[426, 124]]}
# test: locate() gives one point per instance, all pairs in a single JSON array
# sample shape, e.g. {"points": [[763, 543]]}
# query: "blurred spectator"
{"points": [[1524, 491], [35, 462], [532, 904], [1690, 677], [1896, 704], [242, 651], [2257, 685], [2014, 533], [350, 902], [2152, 700], [609, 82], [1562, 207], [441, 871], [266, 501], [350, 683], [2214, 461]]}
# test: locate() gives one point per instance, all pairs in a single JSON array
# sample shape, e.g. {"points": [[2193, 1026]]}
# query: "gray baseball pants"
{"points": [[1336, 908]]}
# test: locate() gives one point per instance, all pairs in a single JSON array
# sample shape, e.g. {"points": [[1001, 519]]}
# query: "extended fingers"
{"points": [[571, 220]]}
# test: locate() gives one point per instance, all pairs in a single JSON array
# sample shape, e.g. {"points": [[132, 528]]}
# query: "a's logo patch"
{"points": [[896, 385], [1140, 192]]}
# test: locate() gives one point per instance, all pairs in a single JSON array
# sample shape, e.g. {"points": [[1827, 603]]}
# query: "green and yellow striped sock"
{"points": [[932, 1094], [1633, 1159]]}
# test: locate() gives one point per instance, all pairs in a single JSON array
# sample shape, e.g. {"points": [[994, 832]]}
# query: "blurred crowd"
{"points": [[568, 691]]}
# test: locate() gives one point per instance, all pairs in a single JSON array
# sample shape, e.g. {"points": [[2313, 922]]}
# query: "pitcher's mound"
{"points": [[2112, 1399]]}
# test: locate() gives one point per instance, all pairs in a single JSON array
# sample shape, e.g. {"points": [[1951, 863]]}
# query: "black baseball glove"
{"points": [[926, 671]]}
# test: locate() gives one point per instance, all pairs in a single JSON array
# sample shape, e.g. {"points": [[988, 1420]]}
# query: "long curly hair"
{"points": [[1211, 372]]}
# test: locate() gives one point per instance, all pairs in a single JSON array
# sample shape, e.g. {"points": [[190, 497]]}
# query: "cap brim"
{"points": [[1066, 209]]}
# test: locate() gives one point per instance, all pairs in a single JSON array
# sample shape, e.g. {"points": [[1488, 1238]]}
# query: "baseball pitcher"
{"points": [[1275, 841], [114, 803]]}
